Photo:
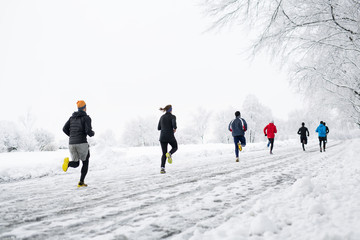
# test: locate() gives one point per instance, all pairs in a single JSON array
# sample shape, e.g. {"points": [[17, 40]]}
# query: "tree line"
{"points": [[197, 127]]}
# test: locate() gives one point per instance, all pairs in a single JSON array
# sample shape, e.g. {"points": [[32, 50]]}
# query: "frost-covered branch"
{"points": [[322, 35], [342, 86], [336, 22]]}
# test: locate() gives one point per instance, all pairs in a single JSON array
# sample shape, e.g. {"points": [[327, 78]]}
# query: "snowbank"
{"points": [[314, 207]]}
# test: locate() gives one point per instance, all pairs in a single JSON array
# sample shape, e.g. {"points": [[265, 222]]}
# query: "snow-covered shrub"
{"points": [[45, 140], [107, 138], [63, 143], [14, 138], [9, 136], [27, 142]]}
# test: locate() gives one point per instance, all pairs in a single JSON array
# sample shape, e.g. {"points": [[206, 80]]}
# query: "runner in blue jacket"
{"points": [[321, 130]]}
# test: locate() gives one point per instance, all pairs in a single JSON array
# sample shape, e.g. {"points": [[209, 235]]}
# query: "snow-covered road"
{"points": [[204, 195]]}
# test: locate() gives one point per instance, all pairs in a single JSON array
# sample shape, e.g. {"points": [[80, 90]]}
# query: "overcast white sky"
{"points": [[125, 59]]}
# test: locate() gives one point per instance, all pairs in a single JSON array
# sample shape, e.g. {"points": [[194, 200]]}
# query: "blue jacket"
{"points": [[238, 127], [321, 129]]}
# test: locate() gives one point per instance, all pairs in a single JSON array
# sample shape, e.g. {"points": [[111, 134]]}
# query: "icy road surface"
{"points": [[199, 197]]}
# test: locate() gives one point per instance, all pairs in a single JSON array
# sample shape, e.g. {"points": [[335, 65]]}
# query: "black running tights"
{"points": [[164, 147], [84, 168], [271, 140]]}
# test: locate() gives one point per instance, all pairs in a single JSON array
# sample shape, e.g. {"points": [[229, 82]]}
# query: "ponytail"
{"points": [[166, 108]]}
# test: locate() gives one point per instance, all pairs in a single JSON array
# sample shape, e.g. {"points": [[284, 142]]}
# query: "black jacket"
{"points": [[303, 131], [167, 124], [78, 127]]}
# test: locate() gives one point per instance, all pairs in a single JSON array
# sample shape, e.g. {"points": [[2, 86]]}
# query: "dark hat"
{"points": [[237, 114]]}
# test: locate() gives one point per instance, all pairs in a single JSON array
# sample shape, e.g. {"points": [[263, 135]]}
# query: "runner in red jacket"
{"points": [[270, 131]]}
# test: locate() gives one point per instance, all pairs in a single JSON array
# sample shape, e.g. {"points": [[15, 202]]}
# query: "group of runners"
{"points": [[78, 127], [322, 131]]}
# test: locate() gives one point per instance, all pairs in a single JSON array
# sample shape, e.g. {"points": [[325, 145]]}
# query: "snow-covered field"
{"points": [[204, 195]]}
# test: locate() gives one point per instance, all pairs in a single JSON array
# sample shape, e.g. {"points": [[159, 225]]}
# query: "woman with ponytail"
{"points": [[167, 127]]}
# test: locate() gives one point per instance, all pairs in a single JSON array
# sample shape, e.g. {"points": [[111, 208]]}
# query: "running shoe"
{"points": [[81, 184], [65, 164], [168, 155]]}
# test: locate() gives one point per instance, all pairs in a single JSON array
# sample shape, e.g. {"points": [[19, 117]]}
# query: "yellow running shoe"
{"points": [[65, 164], [82, 184], [168, 155], [240, 147]]}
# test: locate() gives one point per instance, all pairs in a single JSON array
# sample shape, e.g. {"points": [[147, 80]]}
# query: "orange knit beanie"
{"points": [[81, 104]]}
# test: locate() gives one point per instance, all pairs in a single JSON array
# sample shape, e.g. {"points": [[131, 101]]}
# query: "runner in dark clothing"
{"points": [[304, 133], [327, 132], [78, 127], [238, 127], [167, 127]]}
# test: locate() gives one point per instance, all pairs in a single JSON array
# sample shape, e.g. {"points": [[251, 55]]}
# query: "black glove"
{"points": [[265, 135]]}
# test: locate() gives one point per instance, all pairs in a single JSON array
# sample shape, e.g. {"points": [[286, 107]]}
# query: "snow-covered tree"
{"points": [[257, 117], [27, 141], [318, 40], [107, 138], [141, 131], [221, 122], [295, 118], [200, 123], [27, 121], [185, 135]]}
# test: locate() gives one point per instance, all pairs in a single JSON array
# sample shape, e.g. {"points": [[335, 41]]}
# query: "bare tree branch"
{"points": [[336, 22], [318, 40]]}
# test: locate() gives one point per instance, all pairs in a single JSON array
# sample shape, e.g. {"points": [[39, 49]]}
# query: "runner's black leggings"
{"points": [[164, 147], [322, 139], [84, 168], [271, 140]]}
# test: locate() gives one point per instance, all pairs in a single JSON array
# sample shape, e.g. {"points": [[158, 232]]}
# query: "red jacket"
{"points": [[270, 130]]}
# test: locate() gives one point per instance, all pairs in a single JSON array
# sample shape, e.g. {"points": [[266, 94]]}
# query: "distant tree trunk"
{"points": [[201, 120]]}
